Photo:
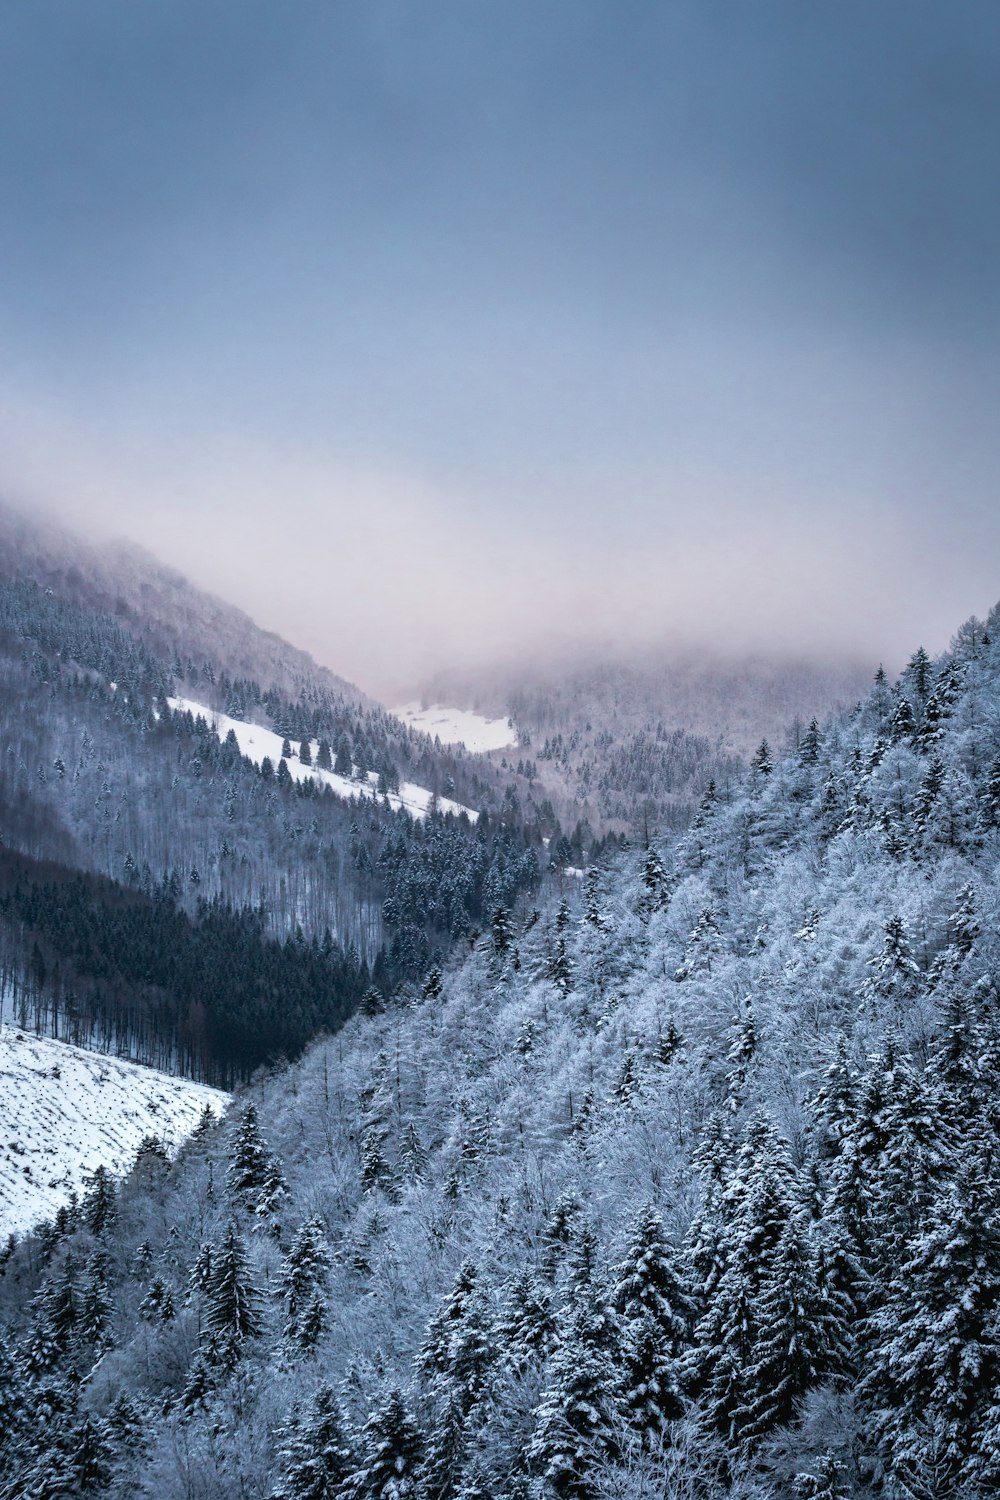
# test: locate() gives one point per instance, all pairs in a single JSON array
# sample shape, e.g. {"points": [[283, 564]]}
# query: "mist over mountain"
{"points": [[633, 739], [680, 1180], [499, 750]]}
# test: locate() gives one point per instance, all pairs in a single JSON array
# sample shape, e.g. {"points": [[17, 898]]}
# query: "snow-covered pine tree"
{"points": [[232, 1302], [305, 1276], [314, 1453]]}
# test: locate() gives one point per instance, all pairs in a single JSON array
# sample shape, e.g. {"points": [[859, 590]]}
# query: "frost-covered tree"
{"points": [[314, 1453], [232, 1301]]}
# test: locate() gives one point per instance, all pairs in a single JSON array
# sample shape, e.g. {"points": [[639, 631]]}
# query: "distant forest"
{"points": [[239, 910]]}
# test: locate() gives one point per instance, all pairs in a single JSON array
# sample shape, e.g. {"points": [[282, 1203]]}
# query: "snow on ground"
{"points": [[256, 742], [65, 1111], [458, 726]]}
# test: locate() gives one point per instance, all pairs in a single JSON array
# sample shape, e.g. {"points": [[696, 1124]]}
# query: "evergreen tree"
{"points": [[88, 1468], [895, 979], [158, 1304], [305, 1276], [577, 1416], [254, 1176], [342, 763], [412, 1167], [592, 914], [797, 1338], [649, 1283], [457, 1346], [99, 1206], [761, 763], [392, 1450], [809, 746], [95, 1303], [315, 1455], [935, 1352], [232, 1304], [704, 945], [526, 1326]]}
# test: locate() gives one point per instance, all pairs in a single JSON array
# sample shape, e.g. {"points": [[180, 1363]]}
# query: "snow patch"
{"points": [[256, 742], [65, 1111], [458, 726]]}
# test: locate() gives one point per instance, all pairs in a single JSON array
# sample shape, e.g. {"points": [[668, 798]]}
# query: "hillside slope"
{"points": [[175, 621], [688, 1189], [65, 1111]]}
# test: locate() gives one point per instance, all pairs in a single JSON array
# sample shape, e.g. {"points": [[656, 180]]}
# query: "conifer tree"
{"points": [[305, 1276], [592, 914], [703, 946], [342, 763], [232, 1304], [576, 1420], [412, 1164], [526, 1326], [797, 1338], [761, 762], [935, 1352], [809, 746], [315, 1455], [95, 1303], [254, 1176], [392, 1450], [99, 1206], [88, 1467], [158, 1304], [895, 979], [649, 1282], [560, 966]]}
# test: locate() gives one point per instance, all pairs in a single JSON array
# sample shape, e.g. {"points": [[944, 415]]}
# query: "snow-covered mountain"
{"points": [[65, 1111], [683, 1186]]}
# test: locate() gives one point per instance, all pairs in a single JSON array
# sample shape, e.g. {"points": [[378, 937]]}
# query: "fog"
{"points": [[453, 338]]}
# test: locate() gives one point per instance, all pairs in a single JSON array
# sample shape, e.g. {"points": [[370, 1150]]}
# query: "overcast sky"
{"points": [[421, 328]]}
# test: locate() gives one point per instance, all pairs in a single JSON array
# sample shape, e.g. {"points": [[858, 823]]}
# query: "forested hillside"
{"points": [[685, 1187], [99, 773], [225, 906], [631, 741], [157, 605]]}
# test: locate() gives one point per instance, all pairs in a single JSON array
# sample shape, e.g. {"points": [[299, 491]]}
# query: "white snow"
{"points": [[65, 1111], [256, 742], [458, 726]]}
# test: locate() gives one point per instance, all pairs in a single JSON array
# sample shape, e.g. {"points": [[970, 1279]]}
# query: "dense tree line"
{"points": [[683, 1186], [209, 994]]}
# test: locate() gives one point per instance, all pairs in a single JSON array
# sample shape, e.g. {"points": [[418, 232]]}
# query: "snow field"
{"points": [[256, 742], [458, 726], [65, 1111]]}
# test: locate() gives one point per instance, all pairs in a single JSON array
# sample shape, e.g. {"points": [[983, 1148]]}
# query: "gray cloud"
{"points": [[417, 329]]}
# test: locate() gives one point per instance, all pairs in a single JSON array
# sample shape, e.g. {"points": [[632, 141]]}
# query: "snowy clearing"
{"points": [[65, 1111], [256, 742], [458, 726]]}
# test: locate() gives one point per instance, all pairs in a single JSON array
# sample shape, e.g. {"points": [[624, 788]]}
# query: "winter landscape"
{"points": [[499, 751]]}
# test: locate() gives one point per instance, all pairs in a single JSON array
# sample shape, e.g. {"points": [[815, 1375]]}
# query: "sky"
{"points": [[430, 332]]}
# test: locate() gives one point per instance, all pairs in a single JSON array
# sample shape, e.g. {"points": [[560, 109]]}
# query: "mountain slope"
{"points": [[686, 1189], [175, 621], [110, 764], [65, 1111], [632, 741]]}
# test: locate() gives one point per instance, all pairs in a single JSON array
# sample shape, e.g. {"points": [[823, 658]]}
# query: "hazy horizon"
{"points": [[448, 337]]}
